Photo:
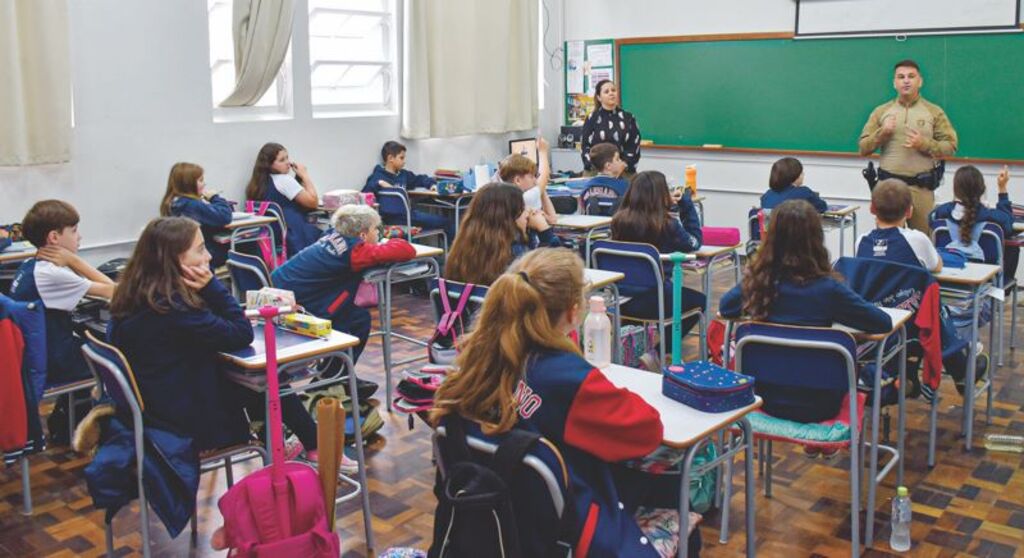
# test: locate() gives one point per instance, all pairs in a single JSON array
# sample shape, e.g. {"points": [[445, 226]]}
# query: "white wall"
{"points": [[732, 182], [142, 102]]}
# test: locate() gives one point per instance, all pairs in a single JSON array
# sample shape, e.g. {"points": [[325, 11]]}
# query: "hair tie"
{"points": [[525, 277]]}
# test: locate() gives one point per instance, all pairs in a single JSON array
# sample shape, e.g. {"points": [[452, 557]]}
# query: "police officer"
{"points": [[912, 135]]}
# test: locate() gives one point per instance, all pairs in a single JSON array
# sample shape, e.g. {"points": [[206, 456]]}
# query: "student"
{"points": [[791, 282], [272, 181], [644, 216], [967, 212], [496, 229], [520, 347], [186, 196], [787, 183], [60, 279], [608, 184], [325, 276], [392, 173], [5, 239], [171, 317], [522, 172], [892, 206]]}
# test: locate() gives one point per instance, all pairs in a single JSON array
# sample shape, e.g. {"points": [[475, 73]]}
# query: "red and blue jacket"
{"points": [[325, 275], [594, 424]]}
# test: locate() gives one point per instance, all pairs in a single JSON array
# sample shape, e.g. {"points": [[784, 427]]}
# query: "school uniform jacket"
{"points": [[604, 187], [301, 232], [325, 276], [1001, 215], [546, 239], [403, 179], [212, 217], [175, 359], [771, 198], [594, 424], [13, 423]]}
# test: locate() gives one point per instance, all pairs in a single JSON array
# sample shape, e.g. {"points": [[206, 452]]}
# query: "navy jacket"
{"points": [[771, 198], [1001, 215], [212, 217], [404, 179], [546, 239], [888, 244], [174, 357]]}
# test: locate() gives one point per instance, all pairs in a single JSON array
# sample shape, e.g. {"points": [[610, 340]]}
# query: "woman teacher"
{"points": [[610, 124]]}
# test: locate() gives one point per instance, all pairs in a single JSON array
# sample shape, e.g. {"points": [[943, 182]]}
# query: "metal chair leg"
{"points": [[110, 538], [229, 474], [194, 536], [768, 472], [26, 486]]}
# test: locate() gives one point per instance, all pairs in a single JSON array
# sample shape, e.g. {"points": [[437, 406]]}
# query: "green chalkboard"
{"points": [[815, 95]]}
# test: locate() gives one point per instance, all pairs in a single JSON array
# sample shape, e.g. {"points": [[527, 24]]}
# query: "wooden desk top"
{"points": [[973, 274], [600, 278], [250, 221], [583, 222], [290, 347], [842, 211], [423, 251], [684, 426], [897, 315], [18, 251]]}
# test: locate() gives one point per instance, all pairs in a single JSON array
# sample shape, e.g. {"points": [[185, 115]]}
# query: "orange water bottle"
{"points": [[691, 179]]}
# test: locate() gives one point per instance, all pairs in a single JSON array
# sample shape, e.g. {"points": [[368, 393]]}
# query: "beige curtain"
{"points": [[35, 82], [262, 31], [471, 67]]}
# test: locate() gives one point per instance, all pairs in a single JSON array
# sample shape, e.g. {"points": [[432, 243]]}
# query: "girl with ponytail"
{"points": [[518, 368], [968, 210]]}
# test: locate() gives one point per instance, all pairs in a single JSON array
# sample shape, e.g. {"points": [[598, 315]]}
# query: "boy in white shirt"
{"points": [[522, 172], [892, 205]]}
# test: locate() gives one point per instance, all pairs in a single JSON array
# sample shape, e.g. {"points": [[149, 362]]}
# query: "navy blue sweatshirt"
{"points": [[212, 218], [403, 179], [1001, 215], [771, 198]]}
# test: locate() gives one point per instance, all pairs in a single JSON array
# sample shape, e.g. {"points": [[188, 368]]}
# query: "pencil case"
{"points": [[707, 387], [721, 236]]}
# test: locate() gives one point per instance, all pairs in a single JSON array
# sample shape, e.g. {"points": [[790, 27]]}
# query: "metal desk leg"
{"points": [[853, 244], [386, 327], [901, 427], [842, 236], [360, 456], [707, 286], [617, 323], [684, 500], [26, 486], [972, 355], [748, 458]]}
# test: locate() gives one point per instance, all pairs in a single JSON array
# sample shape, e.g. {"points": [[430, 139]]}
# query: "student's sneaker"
{"points": [[365, 388], [980, 373], [348, 466]]}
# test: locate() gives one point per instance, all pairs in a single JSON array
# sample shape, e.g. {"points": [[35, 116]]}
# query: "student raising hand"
{"points": [[1003, 179]]}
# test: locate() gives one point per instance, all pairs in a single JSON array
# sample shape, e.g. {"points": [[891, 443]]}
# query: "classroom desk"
{"points": [[422, 266], [689, 429], [972, 280], [598, 280], [244, 223], [295, 355], [843, 216], [456, 202], [587, 225], [17, 252], [703, 264]]}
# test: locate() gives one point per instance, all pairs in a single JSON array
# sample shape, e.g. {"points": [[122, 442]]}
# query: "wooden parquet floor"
{"points": [[969, 504]]}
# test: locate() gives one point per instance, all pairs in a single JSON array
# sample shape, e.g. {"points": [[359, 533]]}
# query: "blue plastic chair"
{"points": [[248, 273], [400, 196]]}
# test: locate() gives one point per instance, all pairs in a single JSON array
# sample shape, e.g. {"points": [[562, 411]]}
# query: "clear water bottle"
{"points": [[899, 540], [1004, 442], [597, 335]]}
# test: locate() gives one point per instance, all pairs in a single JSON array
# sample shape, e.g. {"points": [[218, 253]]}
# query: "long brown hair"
{"points": [[183, 181], [257, 188], [793, 250], [152, 280], [519, 317], [968, 187], [643, 213], [483, 247]]}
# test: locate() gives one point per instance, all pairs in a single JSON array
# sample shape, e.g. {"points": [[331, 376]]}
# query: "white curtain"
{"points": [[262, 30], [35, 82], [471, 67]]}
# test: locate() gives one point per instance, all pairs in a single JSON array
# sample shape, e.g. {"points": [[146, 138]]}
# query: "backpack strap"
{"points": [[454, 441], [511, 451], [449, 318]]}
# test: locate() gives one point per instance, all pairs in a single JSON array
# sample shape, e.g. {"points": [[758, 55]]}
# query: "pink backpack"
{"points": [[278, 511], [267, 249]]}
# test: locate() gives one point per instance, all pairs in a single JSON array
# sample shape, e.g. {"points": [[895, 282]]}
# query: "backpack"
{"points": [[474, 514], [441, 349]]}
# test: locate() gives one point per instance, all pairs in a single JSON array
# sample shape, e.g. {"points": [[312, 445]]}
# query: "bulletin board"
{"points": [[586, 63]]}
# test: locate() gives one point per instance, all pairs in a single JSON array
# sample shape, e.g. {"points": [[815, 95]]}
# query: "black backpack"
{"points": [[476, 503]]}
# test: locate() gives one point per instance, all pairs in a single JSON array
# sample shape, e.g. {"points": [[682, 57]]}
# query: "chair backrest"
{"points": [[248, 273], [454, 290], [807, 357], [639, 262], [112, 371], [392, 200], [991, 240], [754, 224], [547, 474]]}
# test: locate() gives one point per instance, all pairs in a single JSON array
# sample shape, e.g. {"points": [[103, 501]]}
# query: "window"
{"points": [[222, 69], [352, 56]]}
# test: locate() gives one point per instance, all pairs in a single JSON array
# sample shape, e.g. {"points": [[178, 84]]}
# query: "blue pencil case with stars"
{"points": [[707, 387]]}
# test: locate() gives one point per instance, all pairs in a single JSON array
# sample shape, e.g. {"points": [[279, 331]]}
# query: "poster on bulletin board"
{"points": [[586, 63]]}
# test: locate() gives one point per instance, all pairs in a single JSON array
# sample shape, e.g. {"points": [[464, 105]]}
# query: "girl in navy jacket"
{"points": [[186, 197], [967, 210], [497, 229], [791, 281], [645, 216], [787, 183], [519, 369], [272, 181]]}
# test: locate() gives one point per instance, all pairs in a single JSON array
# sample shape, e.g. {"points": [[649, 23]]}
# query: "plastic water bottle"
{"points": [[1004, 442], [597, 335], [900, 538]]}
